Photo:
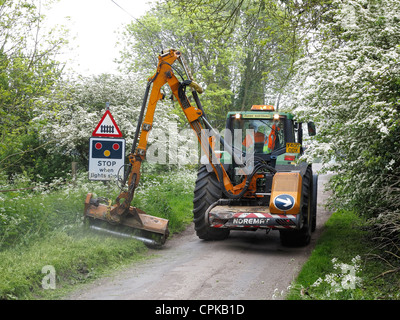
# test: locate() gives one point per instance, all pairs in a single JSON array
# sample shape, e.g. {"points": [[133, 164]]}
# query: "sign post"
{"points": [[106, 150]]}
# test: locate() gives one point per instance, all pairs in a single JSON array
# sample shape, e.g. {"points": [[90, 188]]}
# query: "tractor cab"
{"points": [[273, 136]]}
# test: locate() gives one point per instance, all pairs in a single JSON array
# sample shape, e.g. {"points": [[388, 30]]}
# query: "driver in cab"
{"points": [[252, 140]]}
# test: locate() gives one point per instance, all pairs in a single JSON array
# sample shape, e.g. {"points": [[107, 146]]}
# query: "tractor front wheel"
{"points": [[207, 191]]}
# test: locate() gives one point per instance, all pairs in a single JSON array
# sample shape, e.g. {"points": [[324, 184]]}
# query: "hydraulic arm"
{"points": [[122, 213]]}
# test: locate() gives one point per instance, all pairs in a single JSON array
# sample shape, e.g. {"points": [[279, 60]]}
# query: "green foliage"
{"points": [[28, 154], [28, 72], [154, 196], [75, 258], [45, 226], [344, 240], [349, 87], [31, 214], [163, 28], [241, 52], [267, 37]]}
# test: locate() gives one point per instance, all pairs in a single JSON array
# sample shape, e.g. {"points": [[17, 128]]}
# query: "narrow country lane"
{"points": [[248, 265]]}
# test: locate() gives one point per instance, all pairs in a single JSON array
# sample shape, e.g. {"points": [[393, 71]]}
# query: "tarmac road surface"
{"points": [[246, 266]]}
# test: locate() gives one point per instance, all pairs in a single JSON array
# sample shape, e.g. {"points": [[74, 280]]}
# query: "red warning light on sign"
{"points": [[98, 145]]}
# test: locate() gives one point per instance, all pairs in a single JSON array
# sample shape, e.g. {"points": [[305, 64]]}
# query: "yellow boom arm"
{"points": [[163, 75]]}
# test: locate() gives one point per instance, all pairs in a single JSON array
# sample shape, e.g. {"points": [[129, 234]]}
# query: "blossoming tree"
{"points": [[349, 85]]}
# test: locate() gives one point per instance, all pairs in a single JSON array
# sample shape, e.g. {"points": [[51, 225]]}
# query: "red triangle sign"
{"points": [[107, 127]]}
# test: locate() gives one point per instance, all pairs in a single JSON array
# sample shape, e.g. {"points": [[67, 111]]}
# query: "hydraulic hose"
{"points": [[138, 126], [257, 167], [212, 206]]}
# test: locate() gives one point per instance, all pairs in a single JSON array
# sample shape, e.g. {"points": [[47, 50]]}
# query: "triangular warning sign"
{"points": [[107, 127]]}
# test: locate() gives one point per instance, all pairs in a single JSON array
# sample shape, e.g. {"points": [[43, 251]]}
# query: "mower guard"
{"points": [[135, 223]]}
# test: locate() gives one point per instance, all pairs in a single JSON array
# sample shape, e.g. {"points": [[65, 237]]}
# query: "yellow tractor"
{"points": [[251, 182]]}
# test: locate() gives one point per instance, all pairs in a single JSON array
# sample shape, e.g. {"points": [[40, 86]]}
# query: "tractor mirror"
{"points": [[311, 129]]}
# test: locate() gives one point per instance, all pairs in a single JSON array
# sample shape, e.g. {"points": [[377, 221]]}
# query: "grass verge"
{"points": [[343, 265], [48, 268], [46, 249]]}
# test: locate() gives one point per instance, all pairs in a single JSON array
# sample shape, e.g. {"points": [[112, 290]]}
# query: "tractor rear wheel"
{"points": [[207, 191], [314, 202], [302, 236]]}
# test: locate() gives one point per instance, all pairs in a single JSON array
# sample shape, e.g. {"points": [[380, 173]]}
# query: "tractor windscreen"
{"points": [[260, 135]]}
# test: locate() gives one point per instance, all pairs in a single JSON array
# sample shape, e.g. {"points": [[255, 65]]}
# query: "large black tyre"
{"points": [[302, 236], [314, 202], [207, 191]]}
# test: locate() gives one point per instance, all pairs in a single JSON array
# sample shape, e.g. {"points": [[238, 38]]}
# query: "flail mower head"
{"points": [[131, 222]]}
